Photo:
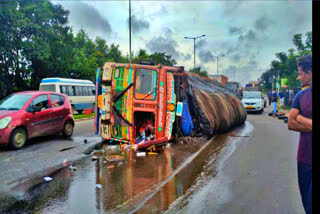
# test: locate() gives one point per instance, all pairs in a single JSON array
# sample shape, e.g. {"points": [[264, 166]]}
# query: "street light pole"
{"points": [[194, 48], [130, 31], [222, 55]]}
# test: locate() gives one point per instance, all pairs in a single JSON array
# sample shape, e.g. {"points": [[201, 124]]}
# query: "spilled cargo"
{"points": [[147, 106]]}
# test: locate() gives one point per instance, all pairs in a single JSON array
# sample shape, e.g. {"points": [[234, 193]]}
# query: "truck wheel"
{"points": [[18, 138], [67, 129]]}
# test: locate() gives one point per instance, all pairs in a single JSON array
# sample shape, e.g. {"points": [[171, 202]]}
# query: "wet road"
{"points": [[259, 175], [249, 170], [44, 153]]}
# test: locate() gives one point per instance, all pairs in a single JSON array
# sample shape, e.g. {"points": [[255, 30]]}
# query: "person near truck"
{"points": [[274, 100], [300, 120], [269, 96], [291, 96], [281, 96]]}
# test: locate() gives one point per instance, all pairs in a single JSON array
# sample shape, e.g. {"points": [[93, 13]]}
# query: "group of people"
{"points": [[273, 98]]}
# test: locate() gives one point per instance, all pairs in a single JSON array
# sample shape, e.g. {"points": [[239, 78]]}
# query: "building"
{"points": [[220, 78]]}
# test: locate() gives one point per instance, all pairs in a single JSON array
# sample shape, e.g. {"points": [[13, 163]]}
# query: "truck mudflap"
{"points": [[146, 144]]}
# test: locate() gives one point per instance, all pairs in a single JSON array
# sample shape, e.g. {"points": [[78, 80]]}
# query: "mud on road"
{"points": [[149, 184]]}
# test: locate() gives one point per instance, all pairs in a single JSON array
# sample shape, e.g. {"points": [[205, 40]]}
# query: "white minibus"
{"points": [[81, 92]]}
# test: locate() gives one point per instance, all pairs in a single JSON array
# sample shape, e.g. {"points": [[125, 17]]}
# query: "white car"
{"points": [[253, 101]]}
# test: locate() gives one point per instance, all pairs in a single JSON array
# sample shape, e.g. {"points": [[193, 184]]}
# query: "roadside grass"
{"points": [[285, 107], [79, 116]]}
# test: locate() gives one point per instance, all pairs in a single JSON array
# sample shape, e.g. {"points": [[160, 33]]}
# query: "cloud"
{"points": [[186, 57], [235, 57], [230, 7], [235, 30], [262, 23], [87, 17], [249, 37], [205, 56], [161, 44], [138, 25], [202, 43]]}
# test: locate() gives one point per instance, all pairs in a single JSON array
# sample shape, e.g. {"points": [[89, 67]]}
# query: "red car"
{"points": [[29, 114]]}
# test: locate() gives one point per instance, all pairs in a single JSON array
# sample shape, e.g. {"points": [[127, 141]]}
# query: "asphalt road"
{"points": [[43, 154], [253, 171], [258, 176]]}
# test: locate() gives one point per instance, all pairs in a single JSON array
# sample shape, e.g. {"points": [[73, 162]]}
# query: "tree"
{"points": [[286, 64], [162, 58], [30, 31], [197, 70]]}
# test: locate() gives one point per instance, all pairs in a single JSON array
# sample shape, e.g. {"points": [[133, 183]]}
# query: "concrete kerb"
{"points": [[82, 119]]}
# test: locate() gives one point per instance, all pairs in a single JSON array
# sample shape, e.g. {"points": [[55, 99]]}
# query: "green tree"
{"points": [[286, 64], [197, 70], [162, 58], [30, 32]]}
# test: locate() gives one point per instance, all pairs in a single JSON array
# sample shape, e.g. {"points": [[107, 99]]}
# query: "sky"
{"points": [[245, 34]]}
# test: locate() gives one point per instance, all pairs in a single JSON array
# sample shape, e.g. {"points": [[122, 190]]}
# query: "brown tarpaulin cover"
{"points": [[213, 107]]}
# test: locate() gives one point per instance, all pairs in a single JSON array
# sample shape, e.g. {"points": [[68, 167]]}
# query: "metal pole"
{"points": [[194, 48], [278, 82], [217, 65], [194, 54], [130, 31]]}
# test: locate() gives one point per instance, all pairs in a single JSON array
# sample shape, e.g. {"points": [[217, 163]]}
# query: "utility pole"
{"points": [[194, 49], [130, 31], [278, 84], [221, 55]]}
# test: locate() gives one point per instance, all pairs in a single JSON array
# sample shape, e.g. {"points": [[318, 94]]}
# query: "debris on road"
{"points": [[72, 168], [65, 162], [187, 140], [98, 153], [152, 153], [47, 178], [141, 154], [114, 158]]}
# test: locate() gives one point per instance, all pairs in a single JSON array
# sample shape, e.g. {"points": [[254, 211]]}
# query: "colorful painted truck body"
{"points": [[130, 95], [149, 105]]}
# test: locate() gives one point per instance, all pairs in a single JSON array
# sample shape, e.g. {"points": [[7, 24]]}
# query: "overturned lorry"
{"points": [[146, 105]]}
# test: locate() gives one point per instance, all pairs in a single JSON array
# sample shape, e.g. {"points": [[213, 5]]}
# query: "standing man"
{"points": [[291, 96], [269, 96], [281, 95], [300, 119], [274, 100]]}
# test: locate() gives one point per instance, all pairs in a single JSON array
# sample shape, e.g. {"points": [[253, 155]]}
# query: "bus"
{"points": [[80, 92]]}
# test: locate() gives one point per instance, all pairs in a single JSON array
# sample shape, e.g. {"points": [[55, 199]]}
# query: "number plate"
{"points": [[250, 107]]}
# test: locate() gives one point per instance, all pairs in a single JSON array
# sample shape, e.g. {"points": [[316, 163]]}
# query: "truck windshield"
{"points": [[146, 83], [14, 101]]}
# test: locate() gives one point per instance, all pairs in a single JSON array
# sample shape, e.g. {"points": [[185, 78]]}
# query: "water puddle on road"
{"points": [[147, 184]]}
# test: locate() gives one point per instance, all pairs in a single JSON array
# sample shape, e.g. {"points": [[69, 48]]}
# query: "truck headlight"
{"points": [[4, 122]]}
